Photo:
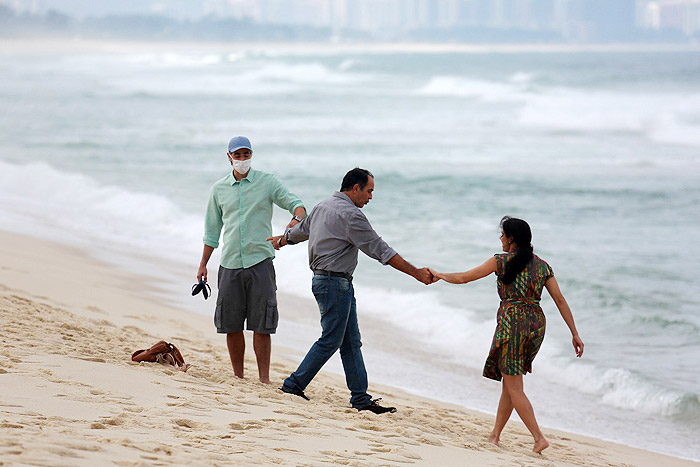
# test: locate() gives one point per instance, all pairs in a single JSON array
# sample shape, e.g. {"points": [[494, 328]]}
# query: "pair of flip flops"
{"points": [[201, 287]]}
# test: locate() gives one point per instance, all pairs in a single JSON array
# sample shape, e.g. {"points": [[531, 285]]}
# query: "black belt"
{"points": [[321, 272]]}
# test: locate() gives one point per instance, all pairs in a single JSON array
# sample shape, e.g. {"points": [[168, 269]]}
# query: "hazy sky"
{"points": [[83, 8]]}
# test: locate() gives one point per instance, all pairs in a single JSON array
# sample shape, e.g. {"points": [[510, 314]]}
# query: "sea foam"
{"points": [[661, 117], [78, 210], [243, 79]]}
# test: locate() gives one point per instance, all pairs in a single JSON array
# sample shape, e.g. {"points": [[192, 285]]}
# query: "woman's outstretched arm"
{"points": [[565, 311], [467, 276]]}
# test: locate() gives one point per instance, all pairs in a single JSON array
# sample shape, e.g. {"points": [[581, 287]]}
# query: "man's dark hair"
{"points": [[355, 176]]}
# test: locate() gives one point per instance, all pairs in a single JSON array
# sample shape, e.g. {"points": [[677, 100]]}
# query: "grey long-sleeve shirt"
{"points": [[336, 229]]}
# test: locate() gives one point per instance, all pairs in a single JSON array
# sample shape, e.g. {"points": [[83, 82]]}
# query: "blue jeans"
{"points": [[336, 301]]}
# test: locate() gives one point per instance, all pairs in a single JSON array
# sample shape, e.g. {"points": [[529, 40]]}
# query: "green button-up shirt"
{"points": [[244, 210]]}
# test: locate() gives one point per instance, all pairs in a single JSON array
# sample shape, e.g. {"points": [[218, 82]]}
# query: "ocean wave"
{"points": [[346, 64], [441, 327], [659, 117], [619, 387], [42, 201], [678, 126], [454, 86], [236, 57], [302, 73], [681, 327], [521, 77], [248, 80], [177, 60]]}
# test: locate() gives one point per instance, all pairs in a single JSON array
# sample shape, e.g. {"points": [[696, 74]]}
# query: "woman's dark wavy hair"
{"points": [[522, 235]]}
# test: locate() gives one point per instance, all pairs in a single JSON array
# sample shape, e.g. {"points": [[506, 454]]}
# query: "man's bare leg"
{"points": [[505, 408], [514, 385], [262, 344], [236, 350]]}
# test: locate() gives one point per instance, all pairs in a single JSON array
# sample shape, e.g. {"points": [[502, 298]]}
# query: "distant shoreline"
{"points": [[15, 46]]}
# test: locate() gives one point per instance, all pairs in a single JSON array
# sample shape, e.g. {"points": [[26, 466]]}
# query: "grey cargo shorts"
{"points": [[247, 295]]}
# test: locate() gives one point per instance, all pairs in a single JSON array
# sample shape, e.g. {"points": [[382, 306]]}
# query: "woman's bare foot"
{"points": [[493, 439], [540, 445]]}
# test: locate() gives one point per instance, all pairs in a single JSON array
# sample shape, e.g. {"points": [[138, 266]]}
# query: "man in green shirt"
{"points": [[241, 204]]}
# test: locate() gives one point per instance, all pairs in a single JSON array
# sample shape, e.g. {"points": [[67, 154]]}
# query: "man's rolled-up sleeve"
{"points": [[284, 198], [362, 235], [213, 222]]}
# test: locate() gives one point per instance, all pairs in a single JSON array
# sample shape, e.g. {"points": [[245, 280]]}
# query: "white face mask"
{"points": [[242, 167]]}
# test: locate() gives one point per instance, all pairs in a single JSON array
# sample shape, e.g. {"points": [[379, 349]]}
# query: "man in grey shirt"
{"points": [[336, 229]]}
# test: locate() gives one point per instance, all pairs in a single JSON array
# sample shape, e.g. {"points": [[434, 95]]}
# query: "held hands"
{"points": [[425, 276], [277, 241], [428, 276], [436, 275]]}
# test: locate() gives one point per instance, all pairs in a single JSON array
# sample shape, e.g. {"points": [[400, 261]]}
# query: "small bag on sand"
{"points": [[162, 352]]}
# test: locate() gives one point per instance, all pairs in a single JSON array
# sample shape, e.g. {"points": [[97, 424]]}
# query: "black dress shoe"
{"points": [[296, 392], [374, 407]]}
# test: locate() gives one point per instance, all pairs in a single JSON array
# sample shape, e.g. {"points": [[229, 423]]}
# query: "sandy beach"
{"points": [[71, 395]]}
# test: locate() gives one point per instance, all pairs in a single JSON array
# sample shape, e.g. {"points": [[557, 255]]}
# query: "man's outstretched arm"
{"points": [[422, 274], [296, 234]]}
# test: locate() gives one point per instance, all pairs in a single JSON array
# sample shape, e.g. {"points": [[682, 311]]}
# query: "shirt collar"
{"points": [[343, 196], [250, 177]]}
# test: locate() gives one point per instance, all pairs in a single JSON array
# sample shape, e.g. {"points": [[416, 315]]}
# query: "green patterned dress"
{"points": [[520, 323]]}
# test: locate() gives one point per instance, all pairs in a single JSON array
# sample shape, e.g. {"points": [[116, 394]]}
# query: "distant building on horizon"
{"points": [[418, 20], [678, 15]]}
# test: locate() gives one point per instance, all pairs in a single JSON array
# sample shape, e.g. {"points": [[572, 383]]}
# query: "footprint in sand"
{"points": [[397, 459], [183, 422], [247, 425], [99, 310], [379, 448]]}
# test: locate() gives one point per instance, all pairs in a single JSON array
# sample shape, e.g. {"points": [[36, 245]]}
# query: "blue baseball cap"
{"points": [[239, 142]]}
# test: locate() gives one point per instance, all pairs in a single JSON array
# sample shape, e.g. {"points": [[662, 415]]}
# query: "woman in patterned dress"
{"points": [[520, 321]]}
